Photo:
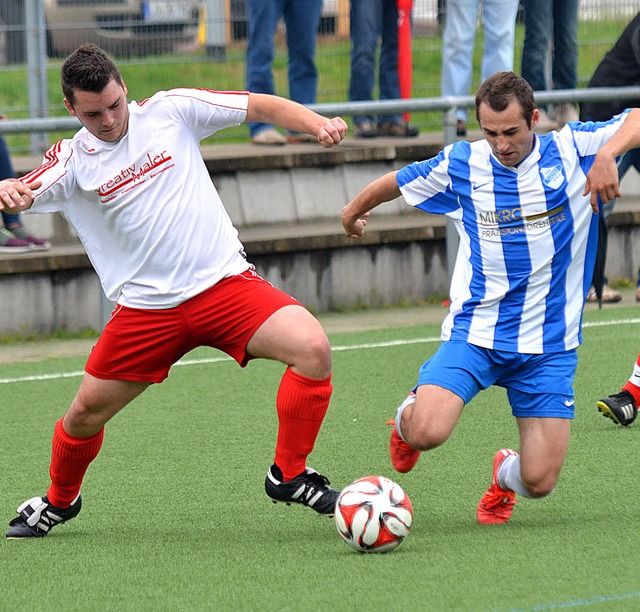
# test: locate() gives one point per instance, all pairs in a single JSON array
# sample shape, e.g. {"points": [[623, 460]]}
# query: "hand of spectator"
{"points": [[332, 131], [16, 196]]}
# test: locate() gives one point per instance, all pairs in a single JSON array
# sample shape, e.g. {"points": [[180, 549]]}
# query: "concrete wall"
{"points": [[286, 204]]}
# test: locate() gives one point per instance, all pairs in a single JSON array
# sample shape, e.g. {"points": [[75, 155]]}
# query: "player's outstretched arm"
{"points": [[292, 116], [16, 196], [602, 179], [356, 212]]}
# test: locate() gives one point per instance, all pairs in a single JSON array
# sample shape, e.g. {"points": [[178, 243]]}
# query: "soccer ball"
{"points": [[373, 514]]}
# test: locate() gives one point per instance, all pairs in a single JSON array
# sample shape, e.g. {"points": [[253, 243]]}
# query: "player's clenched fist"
{"points": [[332, 132]]}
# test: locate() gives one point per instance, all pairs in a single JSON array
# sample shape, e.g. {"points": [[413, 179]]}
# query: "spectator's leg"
{"points": [[365, 18], [565, 44], [302, 19], [389, 79], [499, 36], [263, 19], [457, 49], [538, 15]]}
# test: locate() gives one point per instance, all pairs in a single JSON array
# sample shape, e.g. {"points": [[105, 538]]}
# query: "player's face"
{"points": [[507, 133], [104, 114]]}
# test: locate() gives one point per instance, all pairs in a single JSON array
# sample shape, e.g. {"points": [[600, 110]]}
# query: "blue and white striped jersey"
{"points": [[528, 237]]}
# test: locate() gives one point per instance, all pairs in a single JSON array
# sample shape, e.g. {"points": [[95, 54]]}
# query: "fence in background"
{"points": [[187, 31]]}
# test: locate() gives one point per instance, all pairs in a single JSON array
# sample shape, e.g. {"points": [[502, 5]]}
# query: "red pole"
{"points": [[405, 60]]}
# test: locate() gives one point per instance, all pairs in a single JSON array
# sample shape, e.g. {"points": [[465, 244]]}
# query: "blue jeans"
{"points": [[301, 18], [6, 171], [499, 22], [547, 22], [371, 19]]}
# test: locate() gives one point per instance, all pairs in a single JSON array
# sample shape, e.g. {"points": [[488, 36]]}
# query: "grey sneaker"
{"points": [[269, 137], [309, 489], [620, 408], [38, 517]]}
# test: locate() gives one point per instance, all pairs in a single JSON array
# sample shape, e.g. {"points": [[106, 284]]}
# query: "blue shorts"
{"points": [[537, 385]]}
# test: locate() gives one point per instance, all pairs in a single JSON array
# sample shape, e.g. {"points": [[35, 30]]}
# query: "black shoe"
{"points": [[397, 129], [309, 488], [620, 408], [38, 517], [461, 128]]}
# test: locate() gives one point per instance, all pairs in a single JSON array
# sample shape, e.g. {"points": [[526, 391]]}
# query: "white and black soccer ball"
{"points": [[373, 514]]}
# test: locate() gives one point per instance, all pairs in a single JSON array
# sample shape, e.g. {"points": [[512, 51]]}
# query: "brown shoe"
{"points": [[301, 138], [397, 129], [609, 295]]}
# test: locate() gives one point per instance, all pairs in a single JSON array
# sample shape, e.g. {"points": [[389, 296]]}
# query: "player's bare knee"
{"points": [[540, 488], [422, 438], [314, 360]]}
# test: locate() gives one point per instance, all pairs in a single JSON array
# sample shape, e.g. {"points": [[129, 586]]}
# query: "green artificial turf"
{"points": [[175, 516]]}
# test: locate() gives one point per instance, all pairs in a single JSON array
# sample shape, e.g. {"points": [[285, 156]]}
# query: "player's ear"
{"points": [[535, 117], [69, 107]]}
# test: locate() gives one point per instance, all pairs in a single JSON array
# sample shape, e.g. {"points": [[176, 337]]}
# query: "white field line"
{"points": [[335, 349]]}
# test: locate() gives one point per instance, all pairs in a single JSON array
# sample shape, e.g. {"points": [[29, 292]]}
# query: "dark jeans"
{"points": [[6, 171], [301, 18], [371, 19], [550, 23]]}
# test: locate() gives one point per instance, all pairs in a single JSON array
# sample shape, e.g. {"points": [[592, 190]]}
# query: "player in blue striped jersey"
{"points": [[525, 207]]}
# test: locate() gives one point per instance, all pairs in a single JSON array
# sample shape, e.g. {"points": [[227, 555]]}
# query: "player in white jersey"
{"points": [[130, 181], [523, 206]]}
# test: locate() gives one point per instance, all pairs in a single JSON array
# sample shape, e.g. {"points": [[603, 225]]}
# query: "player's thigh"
{"points": [[293, 336], [543, 447]]}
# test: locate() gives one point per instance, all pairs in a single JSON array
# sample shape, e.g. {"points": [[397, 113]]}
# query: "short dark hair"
{"points": [[500, 89], [88, 68]]}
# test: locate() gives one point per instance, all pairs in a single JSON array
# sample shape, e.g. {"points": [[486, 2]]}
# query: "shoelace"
{"points": [[499, 498], [312, 489], [400, 444]]}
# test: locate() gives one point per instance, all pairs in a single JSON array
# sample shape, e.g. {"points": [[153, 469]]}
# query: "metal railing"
{"points": [[448, 105]]}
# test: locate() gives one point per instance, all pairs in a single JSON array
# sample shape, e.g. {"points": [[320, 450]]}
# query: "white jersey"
{"points": [[528, 237], [145, 209]]}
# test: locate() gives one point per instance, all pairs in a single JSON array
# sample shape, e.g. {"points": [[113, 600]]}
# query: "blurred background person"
{"points": [[14, 237], [371, 20], [301, 19], [461, 21], [551, 28], [620, 67]]}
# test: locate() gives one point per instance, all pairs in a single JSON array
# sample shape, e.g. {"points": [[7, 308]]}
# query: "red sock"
{"points": [[301, 404], [634, 389], [70, 458]]}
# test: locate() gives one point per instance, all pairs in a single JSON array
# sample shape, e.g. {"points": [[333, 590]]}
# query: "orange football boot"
{"points": [[497, 503]]}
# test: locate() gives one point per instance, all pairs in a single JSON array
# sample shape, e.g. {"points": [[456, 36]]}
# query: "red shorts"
{"points": [[141, 344]]}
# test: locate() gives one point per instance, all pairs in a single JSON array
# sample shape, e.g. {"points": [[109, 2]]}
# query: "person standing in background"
{"points": [[301, 18], [620, 67], [499, 23], [14, 237], [551, 24], [369, 21]]}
